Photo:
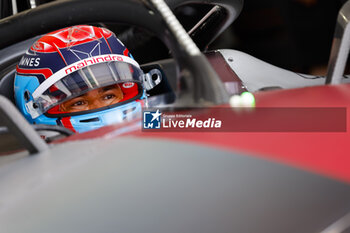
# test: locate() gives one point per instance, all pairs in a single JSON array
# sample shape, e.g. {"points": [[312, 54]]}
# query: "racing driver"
{"points": [[80, 77]]}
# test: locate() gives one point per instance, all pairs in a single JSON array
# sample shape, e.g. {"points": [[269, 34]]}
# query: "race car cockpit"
{"points": [[190, 75], [186, 79]]}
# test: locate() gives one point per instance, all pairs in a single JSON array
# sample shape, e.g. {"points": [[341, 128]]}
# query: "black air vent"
{"points": [[95, 119]]}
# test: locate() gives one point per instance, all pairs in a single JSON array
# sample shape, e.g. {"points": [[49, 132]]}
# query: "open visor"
{"points": [[86, 79]]}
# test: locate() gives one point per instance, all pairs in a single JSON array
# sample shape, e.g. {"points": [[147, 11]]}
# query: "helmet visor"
{"points": [[87, 79]]}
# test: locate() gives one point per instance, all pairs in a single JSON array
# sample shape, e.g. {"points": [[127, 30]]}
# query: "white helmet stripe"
{"points": [[78, 66]]}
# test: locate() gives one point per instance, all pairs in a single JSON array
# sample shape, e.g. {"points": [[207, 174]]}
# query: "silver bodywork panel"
{"points": [[155, 185], [257, 74]]}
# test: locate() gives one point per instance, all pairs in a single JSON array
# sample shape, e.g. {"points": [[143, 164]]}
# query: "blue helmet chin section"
{"points": [[42, 119], [21, 85], [95, 120], [123, 113]]}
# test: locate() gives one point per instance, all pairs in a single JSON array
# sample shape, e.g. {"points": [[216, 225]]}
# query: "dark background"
{"points": [[292, 34]]}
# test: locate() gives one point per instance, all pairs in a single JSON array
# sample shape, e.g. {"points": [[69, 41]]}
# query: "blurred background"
{"points": [[292, 34]]}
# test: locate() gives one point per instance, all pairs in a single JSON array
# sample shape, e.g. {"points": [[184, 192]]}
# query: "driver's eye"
{"points": [[108, 97], [78, 103]]}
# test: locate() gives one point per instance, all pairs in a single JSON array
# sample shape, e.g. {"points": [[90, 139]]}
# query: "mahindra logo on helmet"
{"points": [[91, 61]]}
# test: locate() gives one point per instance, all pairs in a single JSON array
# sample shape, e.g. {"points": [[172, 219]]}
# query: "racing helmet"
{"points": [[71, 62]]}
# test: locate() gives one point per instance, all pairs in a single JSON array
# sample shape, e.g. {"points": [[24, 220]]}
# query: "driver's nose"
{"points": [[95, 104]]}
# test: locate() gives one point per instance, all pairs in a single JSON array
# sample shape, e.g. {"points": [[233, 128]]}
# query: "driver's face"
{"points": [[97, 98]]}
